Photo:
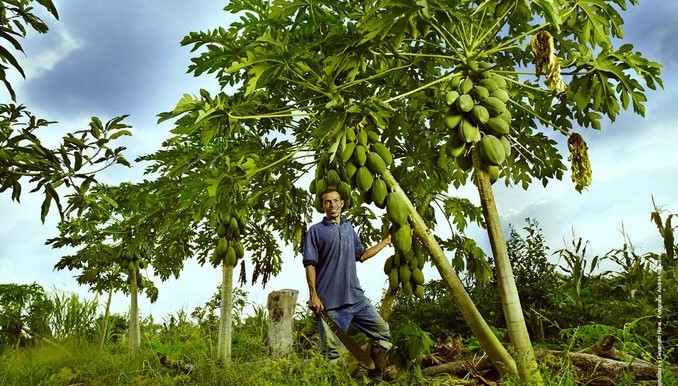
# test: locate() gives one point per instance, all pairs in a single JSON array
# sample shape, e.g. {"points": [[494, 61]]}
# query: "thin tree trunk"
{"points": [[107, 315], [526, 361], [386, 307], [487, 340], [134, 331], [226, 315]]}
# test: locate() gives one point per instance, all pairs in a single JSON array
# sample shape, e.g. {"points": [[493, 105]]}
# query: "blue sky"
{"points": [[109, 58]]}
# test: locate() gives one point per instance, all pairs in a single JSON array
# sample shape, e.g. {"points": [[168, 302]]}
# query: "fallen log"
{"points": [[596, 370]]}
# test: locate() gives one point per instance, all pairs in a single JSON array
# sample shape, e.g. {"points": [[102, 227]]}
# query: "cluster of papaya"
{"points": [[130, 260], [357, 163], [404, 267], [477, 114], [230, 227]]}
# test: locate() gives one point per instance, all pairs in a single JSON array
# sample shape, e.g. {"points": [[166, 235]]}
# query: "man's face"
{"points": [[332, 205]]}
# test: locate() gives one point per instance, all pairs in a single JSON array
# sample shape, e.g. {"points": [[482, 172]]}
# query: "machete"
{"points": [[353, 347]]}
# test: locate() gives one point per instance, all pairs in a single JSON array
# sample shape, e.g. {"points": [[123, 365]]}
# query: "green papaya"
{"points": [[500, 94], [468, 131], [393, 279], [239, 250], [452, 120], [402, 238], [375, 163], [364, 178], [388, 265], [464, 103], [451, 97], [379, 192], [418, 276], [489, 84], [383, 152], [350, 168], [372, 136], [492, 150], [233, 225], [320, 187], [466, 85], [396, 209], [222, 247], [344, 190], [404, 273], [333, 178], [347, 153], [507, 145], [230, 256], [362, 137], [494, 106], [479, 92], [221, 230], [497, 126], [480, 114], [407, 288], [419, 291], [360, 154], [493, 171]]}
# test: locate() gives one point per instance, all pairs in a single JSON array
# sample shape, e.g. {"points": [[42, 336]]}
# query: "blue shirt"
{"points": [[333, 250]]}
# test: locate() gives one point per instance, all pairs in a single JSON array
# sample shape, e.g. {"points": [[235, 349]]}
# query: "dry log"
{"points": [[459, 368]]}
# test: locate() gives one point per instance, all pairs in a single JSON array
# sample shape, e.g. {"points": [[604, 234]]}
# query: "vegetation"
{"points": [[394, 104], [60, 347]]}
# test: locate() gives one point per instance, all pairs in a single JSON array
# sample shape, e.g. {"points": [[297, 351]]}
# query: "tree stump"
{"points": [[281, 306]]}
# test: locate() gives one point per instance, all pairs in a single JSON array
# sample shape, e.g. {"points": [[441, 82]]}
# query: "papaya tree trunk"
{"points": [[526, 361], [134, 331], [226, 315], [104, 323], [481, 330]]}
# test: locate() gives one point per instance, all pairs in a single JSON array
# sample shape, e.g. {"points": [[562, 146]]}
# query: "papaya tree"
{"points": [[449, 90]]}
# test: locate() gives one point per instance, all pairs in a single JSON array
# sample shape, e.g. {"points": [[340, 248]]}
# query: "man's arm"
{"points": [[376, 248], [314, 302]]}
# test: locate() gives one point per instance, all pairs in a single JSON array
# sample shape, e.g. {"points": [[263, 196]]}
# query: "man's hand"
{"points": [[315, 304]]}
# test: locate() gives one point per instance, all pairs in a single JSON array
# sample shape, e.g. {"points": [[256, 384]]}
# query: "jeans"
{"points": [[363, 316]]}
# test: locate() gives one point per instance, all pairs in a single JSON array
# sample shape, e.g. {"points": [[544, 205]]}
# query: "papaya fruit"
{"points": [[479, 92], [500, 94], [364, 178], [402, 238], [362, 137], [396, 209], [466, 85], [452, 120], [388, 265], [222, 247], [404, 274], [468, 131], [360, 154], [497, 126], [333, 178], [344, 190], [489, 84], [465, 162], [418, 276], [493, 171], [239, 250], [230, 256], [393, 278], [492, 150], [372, 136], [464, 103], [494, 105], [379, 192], [375, 163], [480, 114], [383, 152], [507, 145], [451, 97], [347, 152]]}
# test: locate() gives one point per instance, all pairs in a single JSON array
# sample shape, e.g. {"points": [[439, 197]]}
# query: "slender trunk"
{"points": [[134, 331], [226, 315], [487, 340], [107, 315], [526, 361]]}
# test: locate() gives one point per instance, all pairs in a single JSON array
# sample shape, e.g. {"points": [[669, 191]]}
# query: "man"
{"points": [[331, 250]]}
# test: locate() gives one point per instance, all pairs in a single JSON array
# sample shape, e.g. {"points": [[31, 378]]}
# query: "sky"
{"points": [[110, 58]]}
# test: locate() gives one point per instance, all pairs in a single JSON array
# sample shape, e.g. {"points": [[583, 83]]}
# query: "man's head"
{"points": [[332, 204]]}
